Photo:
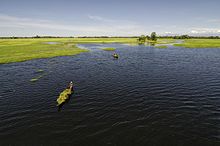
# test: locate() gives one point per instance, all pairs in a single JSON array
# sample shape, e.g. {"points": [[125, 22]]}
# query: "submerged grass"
{"points": [[109, 49], [34, 79], [37, 78], [40, 70], [200, 43]]}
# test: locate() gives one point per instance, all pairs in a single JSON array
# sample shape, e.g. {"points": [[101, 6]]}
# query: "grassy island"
{"points": [[109, 49], [161, 47]]}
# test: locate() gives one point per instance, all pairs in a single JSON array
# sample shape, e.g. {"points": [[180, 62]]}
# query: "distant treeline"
{"points": [[34, 37], [172, 37], [190, 37]]}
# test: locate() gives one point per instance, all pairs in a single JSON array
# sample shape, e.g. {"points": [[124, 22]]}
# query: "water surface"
{"points": [[149, 96]]}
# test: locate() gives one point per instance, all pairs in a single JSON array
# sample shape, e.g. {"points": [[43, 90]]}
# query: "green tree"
{"points": [[185, 37], [153, 36], [148, 37], [37, 36], [142, 39]]}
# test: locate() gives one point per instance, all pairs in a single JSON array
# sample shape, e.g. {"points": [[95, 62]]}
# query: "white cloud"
{"points": [[31, 25], [214, 20], [194, 31], [17, 26], [208, 20], [9, 21], [168, 32], [205, 30], [99, 18], [157, 26], [95, 17]]}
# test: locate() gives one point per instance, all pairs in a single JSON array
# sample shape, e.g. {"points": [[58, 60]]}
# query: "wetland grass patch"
{"points": [[161, 47], [109, 49], [200, 43]]}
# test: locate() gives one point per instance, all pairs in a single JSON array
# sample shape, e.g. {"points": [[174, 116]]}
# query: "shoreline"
{"points": [[20, 50]]}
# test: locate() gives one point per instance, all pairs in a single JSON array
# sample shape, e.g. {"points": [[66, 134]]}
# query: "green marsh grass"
{"points": [[109, 49], [18, 50], [161, 47], [166, 41], [26, 49], [200, 43]]}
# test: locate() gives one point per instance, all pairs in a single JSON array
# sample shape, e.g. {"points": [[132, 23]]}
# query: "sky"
{"points": [[109, 17]]}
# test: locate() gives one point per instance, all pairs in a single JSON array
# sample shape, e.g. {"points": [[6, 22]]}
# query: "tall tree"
{"points": [[153, 36]]}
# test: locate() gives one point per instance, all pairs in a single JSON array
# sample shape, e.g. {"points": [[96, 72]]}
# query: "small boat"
{"points": [[65, 94], [115, 56]]}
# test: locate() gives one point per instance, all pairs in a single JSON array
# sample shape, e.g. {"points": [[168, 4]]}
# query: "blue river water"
{"points": [[149, 96]]}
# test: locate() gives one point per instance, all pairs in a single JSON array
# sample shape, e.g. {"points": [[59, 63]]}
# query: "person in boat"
{"points": [[115, 55], [70, 86]]}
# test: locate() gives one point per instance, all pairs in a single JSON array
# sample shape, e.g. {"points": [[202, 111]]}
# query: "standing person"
{"points": [[70, 86]]}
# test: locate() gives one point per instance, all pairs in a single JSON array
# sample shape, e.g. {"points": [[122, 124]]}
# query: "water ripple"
{"points": [[148, 96]]}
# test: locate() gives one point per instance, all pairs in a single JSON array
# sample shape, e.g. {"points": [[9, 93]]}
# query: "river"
{"points": [[149, 96]]}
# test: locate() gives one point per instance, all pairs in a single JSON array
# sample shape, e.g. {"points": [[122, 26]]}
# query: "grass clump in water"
{"points": [[37, 78], [161, 47], [34, 79], [109, 49], [40, 70]]}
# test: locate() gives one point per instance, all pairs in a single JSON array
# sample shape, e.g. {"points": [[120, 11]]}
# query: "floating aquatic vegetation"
{"points": [[37, 78], [40, 70], [34, 80], [108, 49], [161, 47], [99, 59]]}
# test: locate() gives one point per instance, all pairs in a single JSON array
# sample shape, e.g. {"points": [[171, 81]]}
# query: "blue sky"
{"points": [[109, 17]]}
